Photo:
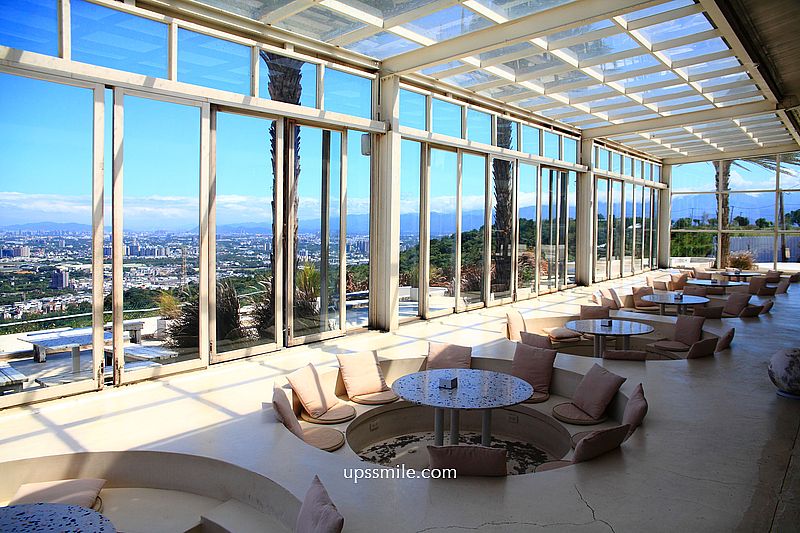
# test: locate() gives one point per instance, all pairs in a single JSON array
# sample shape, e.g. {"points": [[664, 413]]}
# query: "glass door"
{"points": [[314, 291], [502, 229], [528, 256], [442, 222]]}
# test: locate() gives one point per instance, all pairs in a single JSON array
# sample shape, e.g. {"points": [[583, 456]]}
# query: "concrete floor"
{"points": [[718, 450]]}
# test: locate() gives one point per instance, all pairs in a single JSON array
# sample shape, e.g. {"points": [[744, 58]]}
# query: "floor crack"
{"points": [[594, 516]]}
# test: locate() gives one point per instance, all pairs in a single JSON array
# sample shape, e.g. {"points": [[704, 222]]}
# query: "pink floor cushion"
{"points": [[284, 412], [702, 348], [725, 341], [469, 460], [551, 465], [81, 492], [714, 312], [563, 334], [325, 439], [638, 303], [635, 410], [600, 442], [361, 374], [538, 397], [577, 437], [767, 307], [610, 299], [315, 397], [678, 281], [590, 312], [783, 286], [515, 324], [376, 398], [534, 365], [671, 346], [751, 311], [625, 355], [596, 390], [736, 303], [537, 341], [442, 355], [688, 329], [318, 514], [572, 414], [341, 412]]}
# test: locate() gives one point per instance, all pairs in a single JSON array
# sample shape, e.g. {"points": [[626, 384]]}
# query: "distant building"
{"points": [[59, 279], [22, 251]]}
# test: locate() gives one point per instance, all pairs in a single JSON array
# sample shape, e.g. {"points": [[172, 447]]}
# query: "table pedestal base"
{"points": [[438, 426], [455, 427]]}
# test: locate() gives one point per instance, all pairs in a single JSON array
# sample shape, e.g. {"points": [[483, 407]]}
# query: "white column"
{"points": [[664, 217], [584, 218], [385, 242]]}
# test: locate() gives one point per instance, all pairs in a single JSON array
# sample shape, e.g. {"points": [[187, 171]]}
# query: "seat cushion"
{"points": [[318, 514], [335, 415], [537, 341], [469, 460], [284, 412], [767, 307], [638, 293], [591, 312], [725, 340], [600, 442], [572, 414], [315, 397], [361, 373], [534, 365], [442, 355], [671, 346], [515, 324], [551, 465], [702, 348], [736, 302], [325, 439], [562, 334], [538, 397], [596, 390], [635, 410], [625, 355], [688, 329], [751, 311], [714, 312], [577, 437], [81, 492], [376, 398]]}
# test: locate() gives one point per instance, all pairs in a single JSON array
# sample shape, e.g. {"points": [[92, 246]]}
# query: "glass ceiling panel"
{"points": [[431, 71], [627, 111], [580, 30], [711, 82], [320, 23], [614, 100], [657, 77], [662, 91], [734, 91], [506, 50], [603, 47], [685, 100], [629, 64], [561, 110], [702, 107], [252, 8], [533, 63], [388, 8], [448, 23], [512, 9], [504, 91], [711, 66], [655, 10], [536, 101], [742, 101], [689, 51], [598, 91], [560, 80], [673, 29], [383, 45], [469, 79]]}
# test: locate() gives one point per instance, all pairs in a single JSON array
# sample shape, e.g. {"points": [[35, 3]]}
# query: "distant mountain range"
{"points": [[68, 227], [699, 206]]}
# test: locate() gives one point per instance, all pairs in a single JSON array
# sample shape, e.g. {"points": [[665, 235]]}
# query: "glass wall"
{"points": [[358, 232], [549, 238], [443, 183], [410, 180], [602, 241], [630, 223], [473, 228], [528, 257], [617, 230], [502, 228]]}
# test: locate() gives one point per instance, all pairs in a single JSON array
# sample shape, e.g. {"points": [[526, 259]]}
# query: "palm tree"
{"points": [[503, 215], [722, 178]]}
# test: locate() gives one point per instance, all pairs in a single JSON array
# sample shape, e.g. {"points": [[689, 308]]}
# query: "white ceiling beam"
{"points": [[651, 86], [633, 73], [685, 40], [733, 97], [559, 88], [715, 73], [669, 96], [594, 97], [538, 24], [705, 58], [546, 72], [696, 117], [740, 154], [666, 16], [285, 11], [582, 38], [610, 58], [727, 86]]}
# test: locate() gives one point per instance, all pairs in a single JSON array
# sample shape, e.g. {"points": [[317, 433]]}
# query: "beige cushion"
{"points": [[751, 311], [337, 414], [608, 302], [534, 365], [469, 460], [703, 275], [325, 439], [635, 410], [767, 307], [709, 312], [562, 334], [318, 514], [638, 292], [515, 324], [316, 398], [592, 312], [596, 390], [376, 398], [600, 442], [736, 302], [616, 297], [576, 438], [725, 341], [671, 346], [82, 492], [442, 355], [361, 373], [688, 329], [572, 414], [702, 348], [284, 412], [695, 290], [625, 355], [678, 281], [538, 397], [537, 341]]}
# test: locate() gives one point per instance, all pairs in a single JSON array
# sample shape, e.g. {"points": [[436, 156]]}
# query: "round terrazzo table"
{"points": [[664, 299], [714, 283], [53, 517], [740, 275], [476, 389], [615, 328]]}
